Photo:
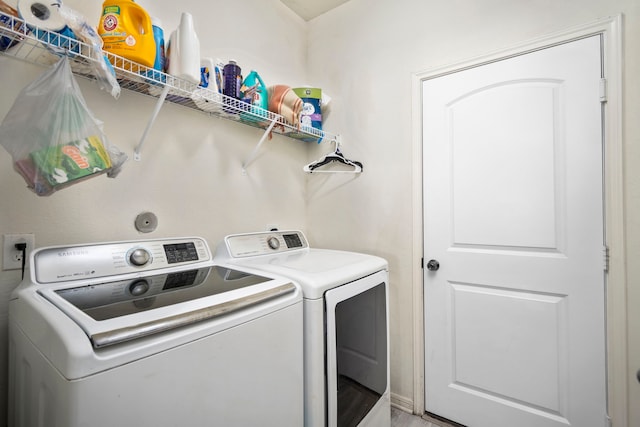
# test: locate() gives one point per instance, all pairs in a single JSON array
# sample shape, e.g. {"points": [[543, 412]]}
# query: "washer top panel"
{"points": [[88, 262]]}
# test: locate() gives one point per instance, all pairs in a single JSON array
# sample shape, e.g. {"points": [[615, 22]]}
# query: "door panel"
{"points": [[533, 325], [514, 317], [490, 208]]}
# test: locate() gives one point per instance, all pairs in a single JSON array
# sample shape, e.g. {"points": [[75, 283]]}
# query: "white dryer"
{"points": [[153, 334], [346, 333]]}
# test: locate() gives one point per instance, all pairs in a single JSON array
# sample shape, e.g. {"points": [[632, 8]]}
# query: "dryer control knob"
{"points": [[139, 257], [273, 242]]}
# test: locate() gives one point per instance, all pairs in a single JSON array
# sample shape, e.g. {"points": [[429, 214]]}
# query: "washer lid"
{"points": [[108, 300], [119, 311]]}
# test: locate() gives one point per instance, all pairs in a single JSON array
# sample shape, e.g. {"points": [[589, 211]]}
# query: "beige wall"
{"points": [[365, 53]]}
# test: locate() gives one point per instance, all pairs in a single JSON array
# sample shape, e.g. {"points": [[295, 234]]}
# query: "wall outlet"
{"points": [[12, 257]]}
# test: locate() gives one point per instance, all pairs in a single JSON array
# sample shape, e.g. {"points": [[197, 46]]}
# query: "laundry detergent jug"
{"points": [[254, 92], [127, 31]]}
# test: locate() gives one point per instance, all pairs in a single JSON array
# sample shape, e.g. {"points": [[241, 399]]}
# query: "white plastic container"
{"points": [[208, 74], [184, 51]]}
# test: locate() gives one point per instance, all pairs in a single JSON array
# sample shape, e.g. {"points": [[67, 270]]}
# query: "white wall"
{"points": [[190, 175], [364, 53]]}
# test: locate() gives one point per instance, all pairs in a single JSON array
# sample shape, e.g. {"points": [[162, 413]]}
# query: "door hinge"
{"points": [[605, 258], [422, 263], [607, 421], [603, 90]]}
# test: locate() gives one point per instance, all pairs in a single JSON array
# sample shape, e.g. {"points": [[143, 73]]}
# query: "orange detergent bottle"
{"points": [[126, 30]]}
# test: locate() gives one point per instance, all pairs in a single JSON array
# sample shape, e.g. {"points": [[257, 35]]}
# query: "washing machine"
{"points": [[153, 333], [346, 334]]}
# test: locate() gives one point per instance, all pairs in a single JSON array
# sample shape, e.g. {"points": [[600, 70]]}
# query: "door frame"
{"points": [[616, 309]]}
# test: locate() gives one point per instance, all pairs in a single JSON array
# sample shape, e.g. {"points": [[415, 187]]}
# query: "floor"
{"points": [[400, 418]]}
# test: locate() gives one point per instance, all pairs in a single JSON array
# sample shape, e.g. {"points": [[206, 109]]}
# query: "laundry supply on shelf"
{"points": [[155, 74], [7, 21], [232, 74], [48, 24], [207, 96], [219, 74], [284, 101], [127, 31], [311, 114], [183, 51], [232, 82], [208, 74], [158, 38], [254, 93]]}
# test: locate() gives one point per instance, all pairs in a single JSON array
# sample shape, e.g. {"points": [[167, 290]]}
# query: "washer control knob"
{"points": [[273, 243], [139, 257], [138, 288]]}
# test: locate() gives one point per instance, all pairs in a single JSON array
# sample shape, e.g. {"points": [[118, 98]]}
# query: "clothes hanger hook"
{"points": [[337, 141]]}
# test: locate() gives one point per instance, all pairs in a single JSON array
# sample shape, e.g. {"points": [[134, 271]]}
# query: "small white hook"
{"points": [[337, 140]]}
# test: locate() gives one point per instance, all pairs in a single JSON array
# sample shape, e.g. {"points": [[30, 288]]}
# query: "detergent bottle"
{"points": [[184, 51], [158, 38], [127, 31], [254, 92]]}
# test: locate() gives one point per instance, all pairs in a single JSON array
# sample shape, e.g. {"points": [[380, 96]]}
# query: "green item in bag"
{"points": [[63, 163]]}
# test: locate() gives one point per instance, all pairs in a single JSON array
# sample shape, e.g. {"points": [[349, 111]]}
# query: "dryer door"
{"points": [[357, 350]]}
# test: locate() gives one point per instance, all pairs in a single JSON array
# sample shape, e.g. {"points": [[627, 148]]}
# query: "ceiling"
{"points": [[309, 9]]}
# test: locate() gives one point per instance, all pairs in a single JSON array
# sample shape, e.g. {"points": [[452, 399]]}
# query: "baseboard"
{"points": [[403, 403]]}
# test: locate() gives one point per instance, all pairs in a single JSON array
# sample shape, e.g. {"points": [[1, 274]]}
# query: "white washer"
{"points": [[345, 323], [153, 333]]}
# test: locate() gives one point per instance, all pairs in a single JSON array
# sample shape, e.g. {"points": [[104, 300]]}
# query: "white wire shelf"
{"points": [[44, 48]]}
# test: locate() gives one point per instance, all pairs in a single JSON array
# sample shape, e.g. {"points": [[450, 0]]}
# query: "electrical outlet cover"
{"points": [[12, 257]]}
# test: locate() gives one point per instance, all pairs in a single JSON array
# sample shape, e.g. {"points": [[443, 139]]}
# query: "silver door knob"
{"points": [[433, 265]]}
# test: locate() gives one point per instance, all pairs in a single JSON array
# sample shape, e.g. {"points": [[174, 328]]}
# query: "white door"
{"points": [[513, 213]]}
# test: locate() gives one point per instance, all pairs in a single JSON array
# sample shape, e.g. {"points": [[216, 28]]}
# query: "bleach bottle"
{"points": [[127, 31], [184, 51], [254, 92]]}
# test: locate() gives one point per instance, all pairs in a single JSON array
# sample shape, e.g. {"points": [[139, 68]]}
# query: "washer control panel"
{"points": [[264, 243], [65, 263]]}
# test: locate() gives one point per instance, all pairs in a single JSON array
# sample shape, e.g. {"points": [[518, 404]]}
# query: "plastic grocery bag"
{"points": [[102, 69], [53, 138]]}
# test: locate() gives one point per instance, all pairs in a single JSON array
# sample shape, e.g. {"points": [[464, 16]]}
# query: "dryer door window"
{"points": [[357, 349]]}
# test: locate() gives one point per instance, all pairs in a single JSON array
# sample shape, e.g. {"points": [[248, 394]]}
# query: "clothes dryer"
{"points": [[346, 335]]}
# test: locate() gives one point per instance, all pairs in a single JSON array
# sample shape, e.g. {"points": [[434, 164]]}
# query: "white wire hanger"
{"points": [[335, 156]]}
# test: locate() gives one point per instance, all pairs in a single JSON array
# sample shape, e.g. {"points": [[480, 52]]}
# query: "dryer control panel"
{"points": [[264, 243], [65, 263]]}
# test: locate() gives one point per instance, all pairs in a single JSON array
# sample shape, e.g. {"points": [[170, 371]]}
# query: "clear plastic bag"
{"points": [[52, 136], [102, 69]]}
